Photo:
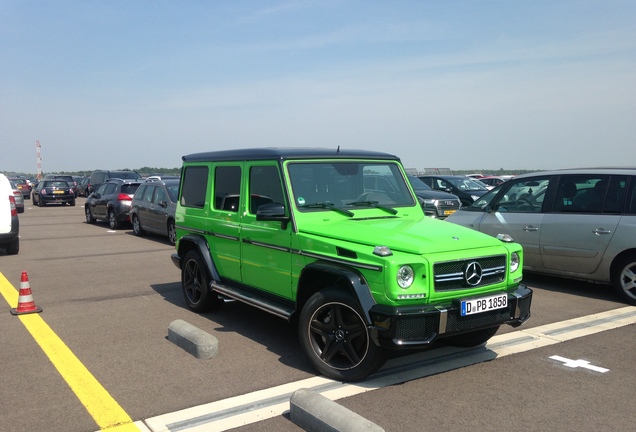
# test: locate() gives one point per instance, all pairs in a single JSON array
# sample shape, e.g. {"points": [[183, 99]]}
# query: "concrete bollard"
{"points": [[200, 344], [315, 413]]}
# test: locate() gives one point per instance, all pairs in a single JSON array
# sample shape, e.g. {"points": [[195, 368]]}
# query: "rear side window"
{"points": [[227, 188], [195, 185], [590, 194]]}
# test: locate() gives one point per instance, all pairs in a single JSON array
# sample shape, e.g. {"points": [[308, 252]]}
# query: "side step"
{"points": [[266, 303]]}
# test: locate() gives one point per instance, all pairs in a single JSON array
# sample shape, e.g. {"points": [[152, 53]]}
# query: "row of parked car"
{"points": [[149, 204]]}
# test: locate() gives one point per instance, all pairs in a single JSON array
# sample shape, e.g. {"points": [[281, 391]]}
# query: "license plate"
{"points": [[449, 212], [483, 304], [58, 192]]}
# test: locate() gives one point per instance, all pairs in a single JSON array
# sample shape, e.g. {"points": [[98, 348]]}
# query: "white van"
{"points": [[9, 223]]}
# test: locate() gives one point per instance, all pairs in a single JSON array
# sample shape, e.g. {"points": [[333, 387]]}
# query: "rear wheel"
{"points": [[113, 223], [72, 203], [40, 203], [136, 225], [14, 247], [471, 339], [335, 337], [195, 283], [172, 232], [624, 278]]}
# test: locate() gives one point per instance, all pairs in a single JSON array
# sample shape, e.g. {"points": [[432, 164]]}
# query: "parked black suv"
{"points": [[111, 202], [467, 189], [99, 177], [153, 208], [436, 204]]}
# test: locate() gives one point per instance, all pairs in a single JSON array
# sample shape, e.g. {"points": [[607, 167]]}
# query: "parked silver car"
{"points": [[19, 198], [573, 223]]}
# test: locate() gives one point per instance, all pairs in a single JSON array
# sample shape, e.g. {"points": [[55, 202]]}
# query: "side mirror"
{"points": [[272, 212]]}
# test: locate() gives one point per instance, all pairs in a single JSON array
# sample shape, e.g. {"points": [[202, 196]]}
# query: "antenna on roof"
{"points": [[338, 149]]}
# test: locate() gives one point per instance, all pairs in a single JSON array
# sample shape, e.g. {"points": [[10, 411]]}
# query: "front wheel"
{"points": [[471, 339], [195, 283], [89, 216], [136, 225], [624, 278], [335, 337]]}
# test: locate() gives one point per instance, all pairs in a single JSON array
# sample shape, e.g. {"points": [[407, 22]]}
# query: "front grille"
{"points": [[444, 205], [451, 275]]}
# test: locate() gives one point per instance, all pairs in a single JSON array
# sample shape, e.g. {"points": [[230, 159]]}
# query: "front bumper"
{"points": [[419, 326]]}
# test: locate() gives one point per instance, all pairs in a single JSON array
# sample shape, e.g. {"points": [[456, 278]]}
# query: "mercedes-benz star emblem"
{"points": [[472, 273]]}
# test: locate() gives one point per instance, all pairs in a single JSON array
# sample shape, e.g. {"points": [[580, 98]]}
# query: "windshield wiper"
{"points": [[330, 206], [375, 204]]}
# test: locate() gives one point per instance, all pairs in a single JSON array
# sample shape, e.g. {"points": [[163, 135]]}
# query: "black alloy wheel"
{"points": [[195, 283], [335, 337]]}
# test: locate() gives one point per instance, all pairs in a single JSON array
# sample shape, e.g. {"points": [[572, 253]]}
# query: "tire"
{"points": [[624, 278], [89, 216], [471, 339], [113, 223], [14, 247], [172, 233], [72, 203], [136, 226], [335, 337], [40, 203], [195, 283]]}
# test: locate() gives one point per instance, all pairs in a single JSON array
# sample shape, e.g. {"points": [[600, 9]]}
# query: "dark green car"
{"points": [[306, 235]]}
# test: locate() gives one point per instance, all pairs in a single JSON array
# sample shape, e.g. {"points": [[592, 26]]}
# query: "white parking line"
{"points": [[264, 404]]}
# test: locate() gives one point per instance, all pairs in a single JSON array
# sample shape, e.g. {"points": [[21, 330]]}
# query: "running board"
{"points": [[253, 299]]}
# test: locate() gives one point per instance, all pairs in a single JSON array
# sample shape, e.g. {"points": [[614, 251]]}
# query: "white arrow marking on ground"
{"points": [[579, 363]]}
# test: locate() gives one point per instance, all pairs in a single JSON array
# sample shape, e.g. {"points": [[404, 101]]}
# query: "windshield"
{"points": [[467, 184], [418, 184], [348, 185]]}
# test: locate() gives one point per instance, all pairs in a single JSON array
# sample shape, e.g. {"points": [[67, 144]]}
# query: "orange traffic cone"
{"points": [[26, 304]]}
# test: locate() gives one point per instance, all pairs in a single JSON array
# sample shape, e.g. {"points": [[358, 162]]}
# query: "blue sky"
{"points": [[459, 84]]}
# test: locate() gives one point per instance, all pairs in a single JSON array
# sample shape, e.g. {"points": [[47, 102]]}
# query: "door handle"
{"points": [[599, 231], [530, 228]]}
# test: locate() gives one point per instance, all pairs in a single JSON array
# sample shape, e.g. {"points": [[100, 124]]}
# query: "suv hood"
{"points": [[423, 236]]}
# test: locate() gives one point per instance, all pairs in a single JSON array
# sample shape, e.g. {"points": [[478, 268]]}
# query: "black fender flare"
{"points": [[355, 279], [199, 243]]}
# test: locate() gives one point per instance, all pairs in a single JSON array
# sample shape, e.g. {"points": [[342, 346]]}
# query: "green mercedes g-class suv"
{"points": [[310, 235]]}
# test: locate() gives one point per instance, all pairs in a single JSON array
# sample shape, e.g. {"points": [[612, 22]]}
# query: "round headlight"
{"points": [[405, 276], [514, 262]]}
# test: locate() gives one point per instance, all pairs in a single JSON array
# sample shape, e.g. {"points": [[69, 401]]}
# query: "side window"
{"points": [[139, 193], [615, 194], [160, 195], [195, 185], [523, 195], [101, 189], [265, 187], [227, 188], [583, 194], [631, 197], [148, 194], [109, 189]]}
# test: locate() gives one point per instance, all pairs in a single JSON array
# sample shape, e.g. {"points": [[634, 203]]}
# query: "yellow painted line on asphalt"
{"points": [[106, 412]]}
